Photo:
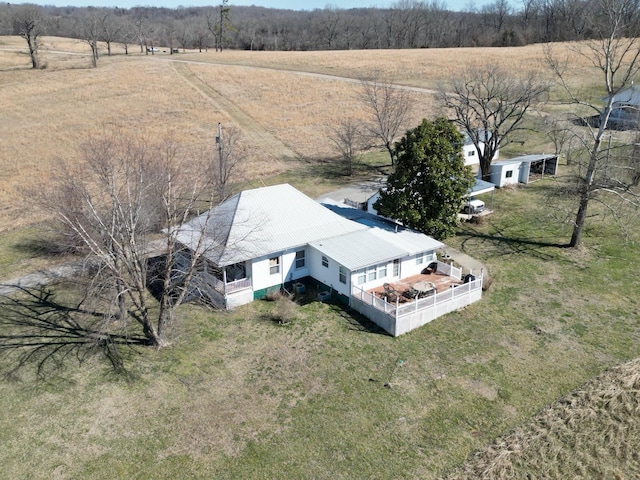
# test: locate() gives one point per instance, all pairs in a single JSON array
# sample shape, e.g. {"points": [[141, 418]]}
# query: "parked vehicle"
{"points": [[471, 207]]}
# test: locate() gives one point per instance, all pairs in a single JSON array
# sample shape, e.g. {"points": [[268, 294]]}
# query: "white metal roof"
{"points": [[525, 159], [374, 245], [262, 221]]}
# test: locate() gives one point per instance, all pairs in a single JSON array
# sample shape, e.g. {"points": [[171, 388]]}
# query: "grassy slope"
{"points": [[242, 397]]}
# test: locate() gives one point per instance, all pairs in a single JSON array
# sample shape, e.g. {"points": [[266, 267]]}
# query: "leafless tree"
{"points": [[200, 36], [111, 29], [91, 27], [610, 173], [347, 138], [218, 22], [29, 23], [390, 109], [227, 162], [489, 104], [125, 192]]}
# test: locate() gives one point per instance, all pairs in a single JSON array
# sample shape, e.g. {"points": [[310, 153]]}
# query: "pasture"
{"points": [[241, 396]]}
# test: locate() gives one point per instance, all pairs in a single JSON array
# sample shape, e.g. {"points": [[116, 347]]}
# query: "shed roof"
{"points": [[525, 159], [481, 186], [261, 221]]}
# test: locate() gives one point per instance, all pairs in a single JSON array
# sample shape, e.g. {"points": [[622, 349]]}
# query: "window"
{"points": [[371, 274], [509, 174], [471, 153], [382, 271], [362, 277], [325, 262], [419, 259], [396, 267], [274, 265], [300, 259], [343, 275]]}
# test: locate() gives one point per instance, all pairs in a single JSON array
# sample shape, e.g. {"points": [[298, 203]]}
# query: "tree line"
{"points": [[406, 24]]}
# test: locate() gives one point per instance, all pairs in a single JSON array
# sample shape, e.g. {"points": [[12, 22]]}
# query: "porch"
{"points": [[400, 307], [209, 286]]}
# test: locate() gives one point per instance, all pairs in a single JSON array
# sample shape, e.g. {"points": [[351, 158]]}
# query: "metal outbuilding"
{"points": [[523, 169]]}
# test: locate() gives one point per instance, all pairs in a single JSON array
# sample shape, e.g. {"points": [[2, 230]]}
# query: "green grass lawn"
{"points": [[241, 396]]}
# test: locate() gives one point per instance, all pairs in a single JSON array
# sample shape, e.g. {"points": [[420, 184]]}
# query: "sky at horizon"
{"points": [[284, 4]]}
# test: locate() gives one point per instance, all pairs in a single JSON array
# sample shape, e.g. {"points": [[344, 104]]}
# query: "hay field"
{"points": [[284, 112], [590, 433]]}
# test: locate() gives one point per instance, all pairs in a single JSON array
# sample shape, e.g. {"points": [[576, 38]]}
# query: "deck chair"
{"points": [[390, 293]]}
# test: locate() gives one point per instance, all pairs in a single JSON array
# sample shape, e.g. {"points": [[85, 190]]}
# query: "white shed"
{"points": [[523, 169], [505, 172]]}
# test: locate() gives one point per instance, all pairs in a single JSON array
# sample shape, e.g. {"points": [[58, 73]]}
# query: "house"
{"points": [[524, 169], [471, 155], [263, 239], [625, 111]]}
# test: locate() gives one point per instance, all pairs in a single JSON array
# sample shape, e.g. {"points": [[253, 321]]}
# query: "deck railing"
{"points": [[398, 318], [450, 270], [236, 285]]}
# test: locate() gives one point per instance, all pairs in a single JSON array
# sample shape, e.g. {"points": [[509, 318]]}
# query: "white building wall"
{"points": [[262, 277], [329, 275], [383, 275], [410, 266], [471, 158], [370, 201], [499, 174]]}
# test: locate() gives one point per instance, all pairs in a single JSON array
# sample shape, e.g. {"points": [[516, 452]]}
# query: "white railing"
{"points": [[396, 311], [206, 279], [240, 284], [450, 270]]}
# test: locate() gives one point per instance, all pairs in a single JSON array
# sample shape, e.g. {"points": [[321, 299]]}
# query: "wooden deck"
{"points": [[403, 286]]}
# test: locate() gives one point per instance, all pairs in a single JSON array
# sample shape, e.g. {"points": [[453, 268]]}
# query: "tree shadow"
{"points": [[335, 168], [356, 321], [505, 245], [38, 329]]}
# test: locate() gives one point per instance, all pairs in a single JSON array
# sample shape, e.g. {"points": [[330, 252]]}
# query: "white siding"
{"points": [[471, 158], [410, 266], [499, 174], [329, 275], [262, 277]]}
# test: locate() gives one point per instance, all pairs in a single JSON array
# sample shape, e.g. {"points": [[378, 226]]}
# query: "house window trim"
{"points": [[274, 268], [372, 273], [325, 261], [300, 261], [342, 274], [508, 174]]}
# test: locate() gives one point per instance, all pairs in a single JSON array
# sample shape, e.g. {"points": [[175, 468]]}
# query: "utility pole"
{"points": [[219, 142]]}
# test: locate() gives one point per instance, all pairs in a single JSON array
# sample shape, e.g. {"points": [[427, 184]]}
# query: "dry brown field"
{"points": [[285, 103]]}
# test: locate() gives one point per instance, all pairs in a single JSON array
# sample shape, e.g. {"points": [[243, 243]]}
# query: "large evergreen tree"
{"points": [[426, 190]]}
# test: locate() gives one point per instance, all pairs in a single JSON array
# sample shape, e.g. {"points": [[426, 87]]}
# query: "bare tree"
{"points": [[489, 104], [125, 192], [91, 27], [611, 170], [111, 28], [218, 22], [29, 22], [226, 163], [390, 109], [347, 138]]}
